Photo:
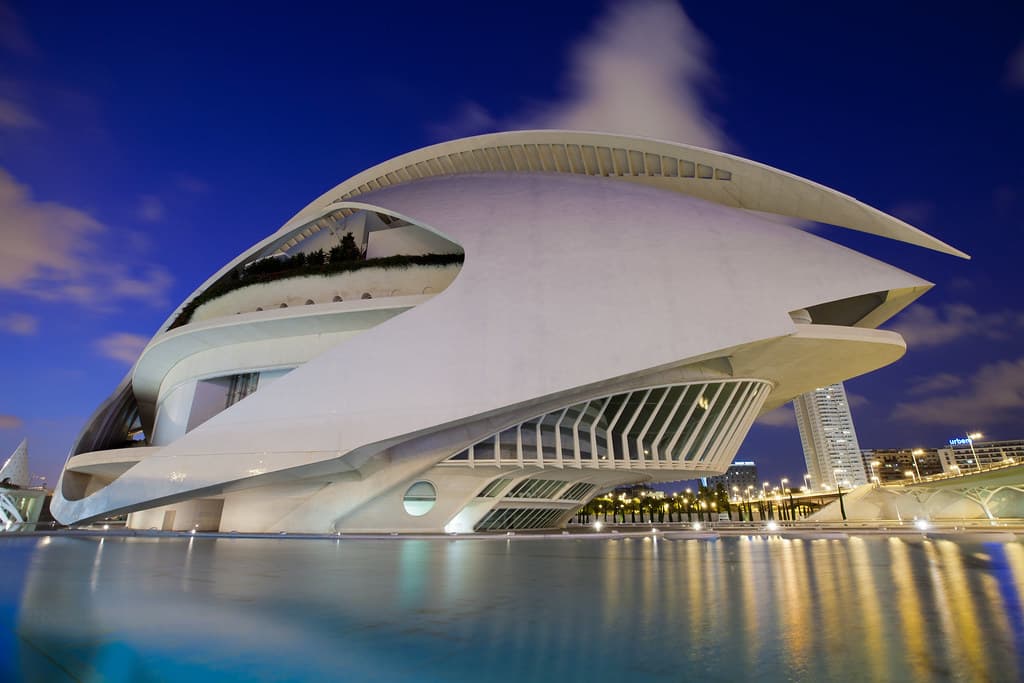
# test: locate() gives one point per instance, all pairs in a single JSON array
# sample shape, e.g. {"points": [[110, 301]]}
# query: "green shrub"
{"points": [[271, 269]]}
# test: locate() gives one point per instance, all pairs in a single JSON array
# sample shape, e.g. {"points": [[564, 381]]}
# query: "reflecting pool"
{"points": [[571, 609]]}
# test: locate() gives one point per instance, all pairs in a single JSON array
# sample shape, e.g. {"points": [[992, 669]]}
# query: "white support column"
{"points": [[727, 407], [576, 434], [559, 462], [625, 430], [682, 425], [519, 444], [594, 458], [540, 444], [668, 420], [753, 409], [747, 391], [647, 425], [608, 435], [700, 423]]}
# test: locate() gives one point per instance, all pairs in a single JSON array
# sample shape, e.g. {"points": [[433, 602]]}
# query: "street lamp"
{"points": [[807, 481], [874, 468], [970, 440], [909, 474], [913, 454]]}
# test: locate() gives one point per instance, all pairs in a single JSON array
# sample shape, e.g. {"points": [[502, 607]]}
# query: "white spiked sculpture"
{"points": [[15, 470]]}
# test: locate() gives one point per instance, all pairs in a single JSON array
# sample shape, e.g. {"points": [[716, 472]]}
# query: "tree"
{"points": [[316, 258], [348, 250]]}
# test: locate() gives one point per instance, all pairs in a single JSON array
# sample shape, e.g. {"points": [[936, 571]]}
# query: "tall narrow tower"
{"points": [[829, 439]]}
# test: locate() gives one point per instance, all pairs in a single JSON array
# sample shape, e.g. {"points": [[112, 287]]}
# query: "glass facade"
{"points": [[520, 518]]}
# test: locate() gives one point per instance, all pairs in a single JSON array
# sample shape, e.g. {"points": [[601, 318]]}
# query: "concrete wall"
{"points": [[201, 514], [409, 239]]}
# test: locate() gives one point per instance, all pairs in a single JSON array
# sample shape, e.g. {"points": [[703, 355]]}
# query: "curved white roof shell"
{"points": [[717, 177]]}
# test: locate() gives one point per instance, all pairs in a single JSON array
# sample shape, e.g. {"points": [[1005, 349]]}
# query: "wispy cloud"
{"points": [[783, 416], [640, 71], [926, 326], [10, 422], [992, 395], [937, 383], [21, 324], [14, 115], [916, 211], [856, 400], [52, 252], [191, 184], [151, 209], [469, 118], [1015, 68], [14, 37], [122, 346], [39, 237]]}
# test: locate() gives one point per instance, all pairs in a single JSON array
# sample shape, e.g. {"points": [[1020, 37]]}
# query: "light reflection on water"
{"points": [[735, 609]]}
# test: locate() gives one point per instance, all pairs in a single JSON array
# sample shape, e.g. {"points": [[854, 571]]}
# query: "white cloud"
{"points": [[1015, 68], [10, 422], [639, 72], [471, 117], [19, 323], [151, 209], [39, 237], [856, 400], [51, 252], [937, 383], [122, 346], [783, 416], [925, 326], [993, 395], [14, 115]]}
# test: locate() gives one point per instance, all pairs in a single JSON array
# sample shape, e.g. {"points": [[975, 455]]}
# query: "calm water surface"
{"points": [[734, 609]]}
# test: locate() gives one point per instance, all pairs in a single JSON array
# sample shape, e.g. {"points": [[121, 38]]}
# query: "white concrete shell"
{"points": [[576, 287]]}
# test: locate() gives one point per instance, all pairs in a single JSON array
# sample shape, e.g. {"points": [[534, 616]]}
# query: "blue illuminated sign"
{"points": [[961, 441]]}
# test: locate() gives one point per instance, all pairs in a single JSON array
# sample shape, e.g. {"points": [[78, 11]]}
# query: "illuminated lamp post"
{"points": [[875, 464], [913, 454], [970, 440]]}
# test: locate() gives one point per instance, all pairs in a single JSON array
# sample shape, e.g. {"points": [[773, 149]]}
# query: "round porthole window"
{"points": [[420, 498]]}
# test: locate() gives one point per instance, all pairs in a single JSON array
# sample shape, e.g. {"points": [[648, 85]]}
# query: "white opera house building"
{"points": [[486, 333]]}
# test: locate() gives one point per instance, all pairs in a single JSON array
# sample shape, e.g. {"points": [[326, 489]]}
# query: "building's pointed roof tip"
{"points": [[708, 174], [15, 470]]}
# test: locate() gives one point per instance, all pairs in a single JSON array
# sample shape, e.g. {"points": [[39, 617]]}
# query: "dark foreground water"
{"points": [[735, 609]]}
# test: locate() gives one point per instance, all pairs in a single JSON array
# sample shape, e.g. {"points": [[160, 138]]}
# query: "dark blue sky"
{"points": [[141, 147]]}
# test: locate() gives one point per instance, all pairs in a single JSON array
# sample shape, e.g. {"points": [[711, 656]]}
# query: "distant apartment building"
{"points": [[829, 440], [962, 454], [894, 463], [742, 473]]}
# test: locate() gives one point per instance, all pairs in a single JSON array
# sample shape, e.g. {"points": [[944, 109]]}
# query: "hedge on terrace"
{"points": [[301, 265]]}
